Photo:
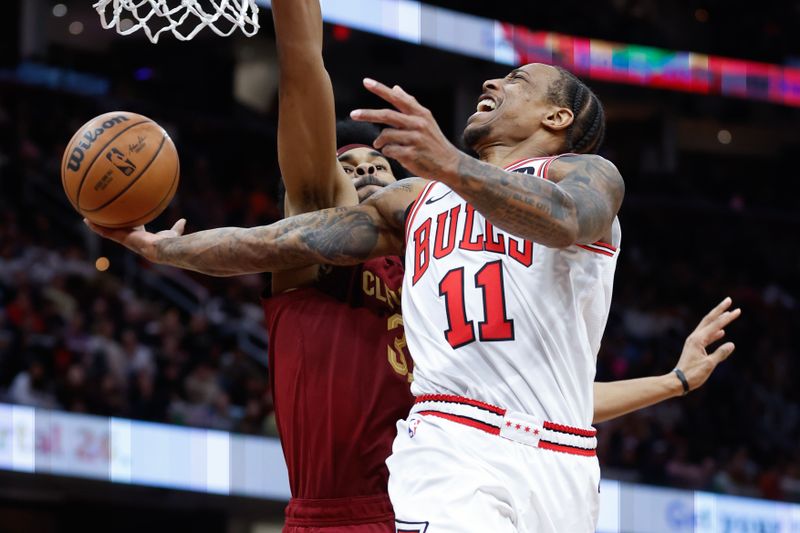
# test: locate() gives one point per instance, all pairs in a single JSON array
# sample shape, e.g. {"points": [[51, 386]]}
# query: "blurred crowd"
{"points": [[78, 339]]}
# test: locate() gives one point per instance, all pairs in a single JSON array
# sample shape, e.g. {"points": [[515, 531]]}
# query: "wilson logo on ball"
{"points": [[89, 137]]}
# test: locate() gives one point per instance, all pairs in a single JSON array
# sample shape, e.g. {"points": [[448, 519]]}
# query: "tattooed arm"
{"points": [[339, 236], [576, 205]]}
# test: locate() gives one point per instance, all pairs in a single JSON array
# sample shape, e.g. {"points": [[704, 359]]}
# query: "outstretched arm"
{"points": [[338, 236], [306, 116], [612, 400], [577, 206]]}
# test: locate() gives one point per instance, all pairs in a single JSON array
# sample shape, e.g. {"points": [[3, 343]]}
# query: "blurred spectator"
{"points": [[31, 387], [138, 358], [201, 385]]}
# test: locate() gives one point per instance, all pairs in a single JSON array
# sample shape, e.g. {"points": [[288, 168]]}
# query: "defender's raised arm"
{"points": [[306, 116]]}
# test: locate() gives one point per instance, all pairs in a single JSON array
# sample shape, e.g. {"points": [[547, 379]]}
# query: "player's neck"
{"points": [[503, 155]]}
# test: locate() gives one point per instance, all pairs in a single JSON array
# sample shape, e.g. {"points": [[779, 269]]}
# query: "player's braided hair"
{"points": [[588, 128]]}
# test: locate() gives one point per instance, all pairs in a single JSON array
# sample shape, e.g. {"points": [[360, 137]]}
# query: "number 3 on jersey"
{"points": [[496, 326]]}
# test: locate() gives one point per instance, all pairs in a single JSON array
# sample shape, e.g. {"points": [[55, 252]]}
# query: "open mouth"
{"points": [[486, 104]]}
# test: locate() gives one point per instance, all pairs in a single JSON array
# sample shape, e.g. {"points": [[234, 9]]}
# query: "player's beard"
{"points": [[473, 137]]}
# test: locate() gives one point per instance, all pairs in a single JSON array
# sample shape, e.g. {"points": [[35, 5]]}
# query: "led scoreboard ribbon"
{"points": [[656, 67], [444, 29]]}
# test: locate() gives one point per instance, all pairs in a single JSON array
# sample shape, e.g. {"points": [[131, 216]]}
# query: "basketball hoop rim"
{"points": [[224, 19]]}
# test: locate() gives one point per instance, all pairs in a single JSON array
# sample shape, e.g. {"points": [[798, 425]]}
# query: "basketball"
{"points": [[120, 170]]}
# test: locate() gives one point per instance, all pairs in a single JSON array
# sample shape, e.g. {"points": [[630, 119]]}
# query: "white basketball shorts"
{"points": [[457, 468]]}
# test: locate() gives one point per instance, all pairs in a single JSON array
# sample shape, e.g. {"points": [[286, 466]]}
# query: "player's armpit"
{"points": [[306, 120], [338, 236], [595, 188]]}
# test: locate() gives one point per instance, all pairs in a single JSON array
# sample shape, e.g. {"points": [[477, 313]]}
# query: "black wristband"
{"points": [[684, 381]]}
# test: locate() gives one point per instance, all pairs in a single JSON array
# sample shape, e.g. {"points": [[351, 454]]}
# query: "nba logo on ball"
{"points": [[412, 426]]}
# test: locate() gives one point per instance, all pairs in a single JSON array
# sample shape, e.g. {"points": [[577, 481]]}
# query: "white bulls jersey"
{"points": [[499, 319]]}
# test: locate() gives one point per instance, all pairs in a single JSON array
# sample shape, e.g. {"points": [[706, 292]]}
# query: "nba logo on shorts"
{"points": [[412, 426]]}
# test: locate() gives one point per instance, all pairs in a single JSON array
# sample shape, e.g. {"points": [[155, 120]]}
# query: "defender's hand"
{"points": [[414, 139], [695, 362], [138, 239]]}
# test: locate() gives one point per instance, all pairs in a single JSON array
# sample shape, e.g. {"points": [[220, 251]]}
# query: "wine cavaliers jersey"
{"points": [[340, 378], [500, 319]]}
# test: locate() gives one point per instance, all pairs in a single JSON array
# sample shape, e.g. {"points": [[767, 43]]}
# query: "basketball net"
{"points": [[184, 19]]}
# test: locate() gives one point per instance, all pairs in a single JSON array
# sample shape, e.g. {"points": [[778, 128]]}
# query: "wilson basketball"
{"points": [[120, 170]]}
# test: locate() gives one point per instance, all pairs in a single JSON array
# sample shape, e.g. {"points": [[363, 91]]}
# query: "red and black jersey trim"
{"points": [[414, 208], [546, 166], [564, 448], [542, 171], [522, 162], [451, 398], [569, 430], [599, 247]]}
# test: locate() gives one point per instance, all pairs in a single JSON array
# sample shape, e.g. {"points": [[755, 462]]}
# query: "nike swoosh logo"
{"points": [[430, 201]]}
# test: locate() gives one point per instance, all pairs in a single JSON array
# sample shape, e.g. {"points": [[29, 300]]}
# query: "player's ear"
{"points": [[558, 119]]}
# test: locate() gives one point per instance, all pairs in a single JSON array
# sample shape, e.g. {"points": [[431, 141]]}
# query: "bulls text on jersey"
{"points": [[445, 238]]}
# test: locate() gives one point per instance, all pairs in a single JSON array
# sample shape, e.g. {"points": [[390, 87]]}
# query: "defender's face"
{"points": [[511, 109], [368, 169]]}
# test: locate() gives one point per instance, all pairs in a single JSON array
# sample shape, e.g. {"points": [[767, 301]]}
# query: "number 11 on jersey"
{"points": [[496, 326]]}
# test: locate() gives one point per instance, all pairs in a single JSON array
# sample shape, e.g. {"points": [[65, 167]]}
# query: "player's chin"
{"points": [[476, 132]]}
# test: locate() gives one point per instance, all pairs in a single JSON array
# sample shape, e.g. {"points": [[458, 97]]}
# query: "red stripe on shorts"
{"points": [[566, 449], [463, 420]]}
